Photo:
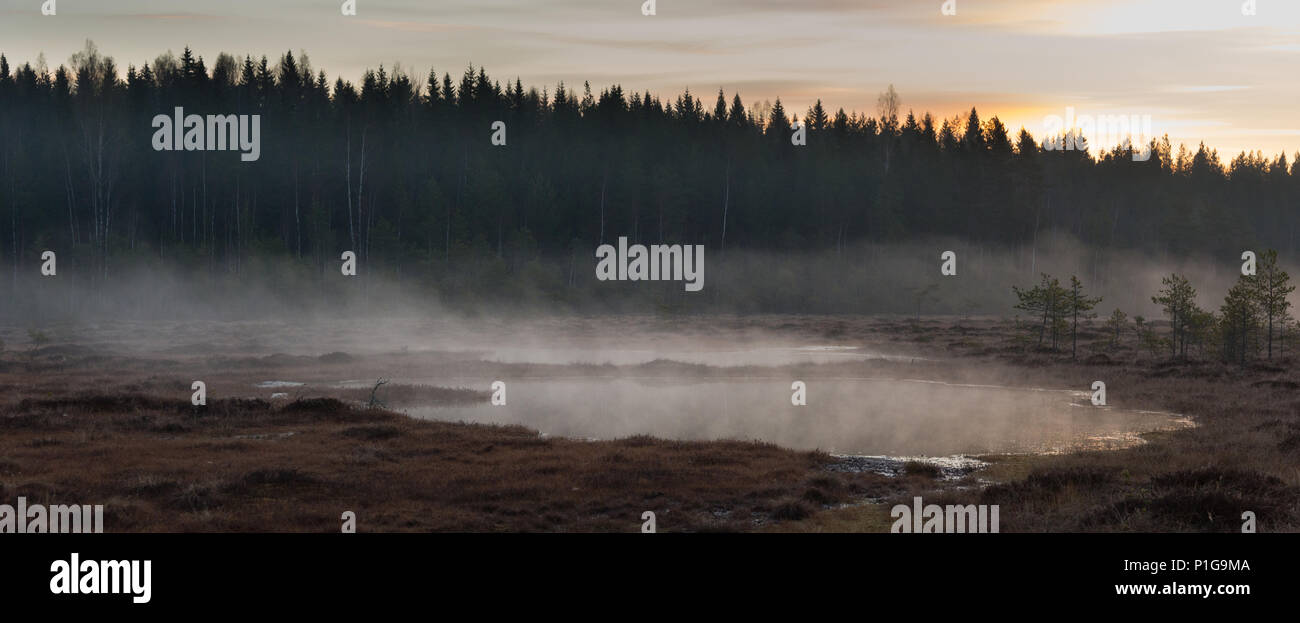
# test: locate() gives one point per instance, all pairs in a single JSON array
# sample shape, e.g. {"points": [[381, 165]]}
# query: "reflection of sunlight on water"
{"points": [[950, 467]]}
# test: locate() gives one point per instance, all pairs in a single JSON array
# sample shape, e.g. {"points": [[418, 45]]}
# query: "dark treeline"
{"points": [[401, 170]]}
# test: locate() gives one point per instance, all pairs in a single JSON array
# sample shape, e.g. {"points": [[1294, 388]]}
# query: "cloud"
{"points": [[1198, 67]]}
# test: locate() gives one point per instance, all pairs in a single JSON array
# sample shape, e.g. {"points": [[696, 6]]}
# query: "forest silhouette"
{"points": [[403, 172]]}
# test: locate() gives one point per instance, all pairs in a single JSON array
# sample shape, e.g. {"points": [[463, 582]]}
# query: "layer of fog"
{"points": [[899, 278], [849, 416], [302, 309]]}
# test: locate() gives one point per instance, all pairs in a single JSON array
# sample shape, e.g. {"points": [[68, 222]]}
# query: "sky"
{"points": [[1220, 71]]}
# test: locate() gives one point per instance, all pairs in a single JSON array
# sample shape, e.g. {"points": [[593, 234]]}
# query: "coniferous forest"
{"points": [[401, 170]]}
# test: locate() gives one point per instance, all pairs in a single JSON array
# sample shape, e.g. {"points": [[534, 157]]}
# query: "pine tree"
{"points": [[778, 125], [432, 91], [1178, 298], [448, 90], [1078, 305], [736, 117], [973, 138], [1046, 301], [816, 118], [720, 109], [1115, 324], [1240, 319], [1272, 285]]}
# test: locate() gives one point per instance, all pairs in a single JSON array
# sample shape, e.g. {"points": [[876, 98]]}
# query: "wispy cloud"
{"points": [[1200, 68]]}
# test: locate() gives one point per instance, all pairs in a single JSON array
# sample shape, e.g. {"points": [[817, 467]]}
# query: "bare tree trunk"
{"points": [[210, 213], [239, 232], [1033, 257], [370, 224], [347, 172], [71, 194], [726, 202], [603, 178], [361, 185], [100, 173], [460, 195], [297, 221], [13, 223]]}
